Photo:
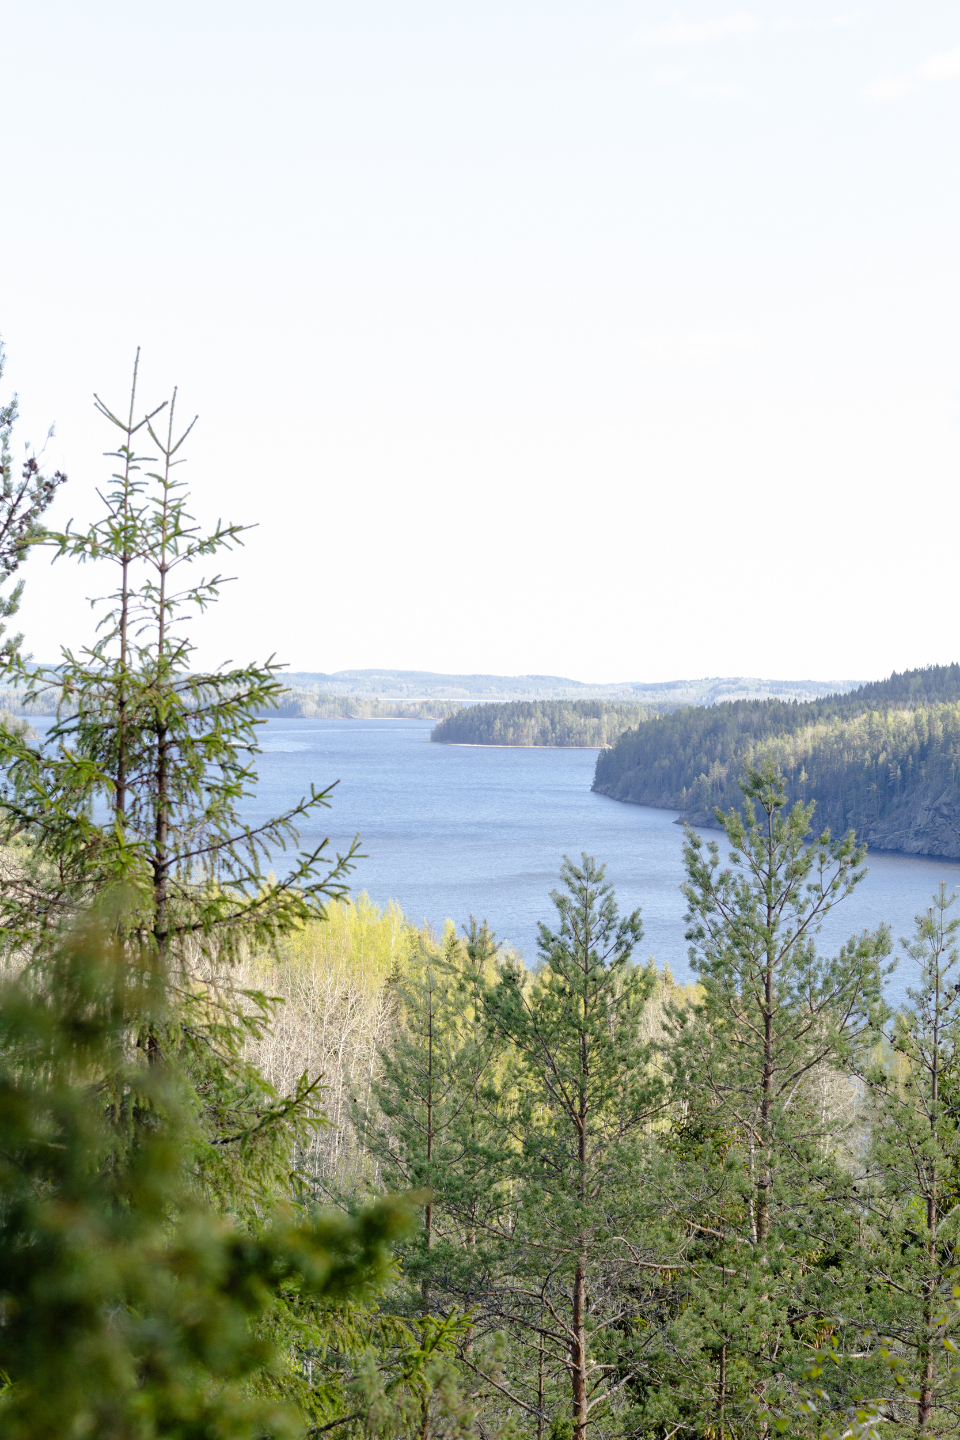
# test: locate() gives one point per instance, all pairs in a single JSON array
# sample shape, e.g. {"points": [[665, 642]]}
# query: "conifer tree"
{"points": [[579, 1094], [911, 1250], [429, 1126], [758, 1187], [140, 782], [132, 1306], [165, 1271]]}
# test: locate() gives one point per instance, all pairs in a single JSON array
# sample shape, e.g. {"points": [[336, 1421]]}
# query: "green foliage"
{"points": [[911, 1199], [724, 1213], [579, 1093], [430, 1123], [521, 1105], [583, 723], [753, 1175], [167, 1273], [423, 1124], [128, 1298]]}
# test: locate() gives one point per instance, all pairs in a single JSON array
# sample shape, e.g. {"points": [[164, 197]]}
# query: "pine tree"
{"points": [[757, 1181], [911, 1250], [579, 1095], [428, 1126]]}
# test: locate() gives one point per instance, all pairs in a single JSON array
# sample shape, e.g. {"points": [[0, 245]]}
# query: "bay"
{"points": [[449, 831]]}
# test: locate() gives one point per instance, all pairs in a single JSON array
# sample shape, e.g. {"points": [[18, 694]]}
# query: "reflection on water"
{"points": [[451, 831]]}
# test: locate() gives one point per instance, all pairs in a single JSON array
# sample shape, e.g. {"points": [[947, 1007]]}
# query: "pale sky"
{"points": [[602, 339]]}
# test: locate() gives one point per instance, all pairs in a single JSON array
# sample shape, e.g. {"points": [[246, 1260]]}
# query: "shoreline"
{"points": [[484, 745]]}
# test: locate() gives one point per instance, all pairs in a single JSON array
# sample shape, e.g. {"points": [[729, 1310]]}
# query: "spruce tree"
{"points": [[141, 781], [132, 807], [431, 1131]]}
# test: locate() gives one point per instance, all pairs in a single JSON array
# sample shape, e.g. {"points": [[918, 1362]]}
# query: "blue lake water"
{"points": [[451, 831]]}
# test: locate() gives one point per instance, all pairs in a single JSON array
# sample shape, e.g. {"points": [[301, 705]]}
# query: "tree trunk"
{"points": [[578, 1350], [721, 1390]]}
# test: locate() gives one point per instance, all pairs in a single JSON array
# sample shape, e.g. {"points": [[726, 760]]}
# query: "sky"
{"points": [[581, 337]]}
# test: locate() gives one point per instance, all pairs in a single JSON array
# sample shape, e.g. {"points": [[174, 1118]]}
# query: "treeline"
{"points": [[25, 701], [310, 706], [583, 723], [883, 759], [627, 1230]]}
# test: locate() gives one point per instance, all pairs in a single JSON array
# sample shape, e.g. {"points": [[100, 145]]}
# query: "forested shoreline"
{"points": [[883, 760], [304, 704], [575, 723], [278, 1164]]}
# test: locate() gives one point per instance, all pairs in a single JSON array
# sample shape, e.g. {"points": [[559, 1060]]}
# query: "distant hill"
{"points": [[882, 759], [294, 704], [427, 684], [428, 694]]}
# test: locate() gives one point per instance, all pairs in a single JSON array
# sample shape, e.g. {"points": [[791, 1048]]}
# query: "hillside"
{"points": [[566, 723], [883, 759]]}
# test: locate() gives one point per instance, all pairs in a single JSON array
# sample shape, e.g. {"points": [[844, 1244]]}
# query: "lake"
{"points": [[452, 830]]}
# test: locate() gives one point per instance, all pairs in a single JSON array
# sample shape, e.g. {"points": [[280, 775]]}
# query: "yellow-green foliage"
{"points": [[357, 936], [331, 977]]}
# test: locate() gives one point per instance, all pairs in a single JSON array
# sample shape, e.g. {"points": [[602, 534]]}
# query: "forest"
{"points": [[881, 760], [305, 704], [584, 723], [276, 1162]]}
